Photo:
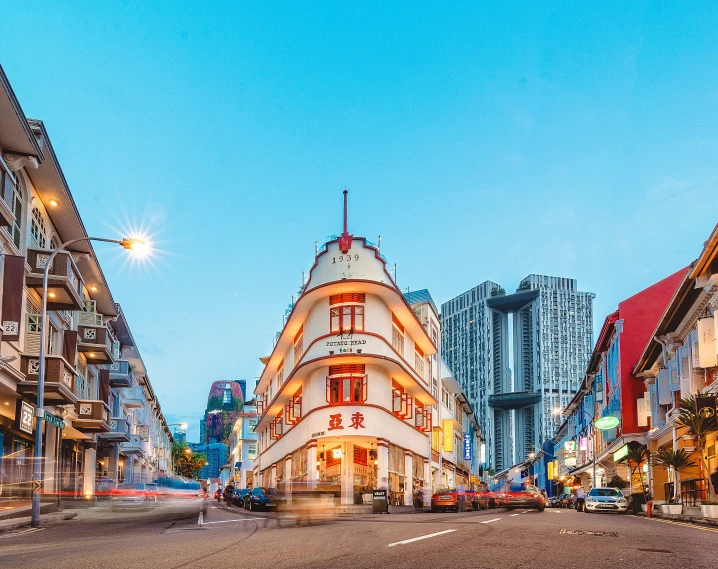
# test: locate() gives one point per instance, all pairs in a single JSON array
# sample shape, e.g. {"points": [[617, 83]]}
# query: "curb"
{"points": [[46, 521]]}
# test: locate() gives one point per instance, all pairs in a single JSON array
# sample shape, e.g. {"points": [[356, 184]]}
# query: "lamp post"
{"points": [[130, 244]]}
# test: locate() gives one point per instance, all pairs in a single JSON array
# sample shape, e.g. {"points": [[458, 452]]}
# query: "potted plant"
{"points": [[676, 460], [709, 509], [635, 458]]}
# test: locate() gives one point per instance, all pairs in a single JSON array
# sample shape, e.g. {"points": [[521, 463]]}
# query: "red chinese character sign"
{"points": [[357, 421], [335, 422]]}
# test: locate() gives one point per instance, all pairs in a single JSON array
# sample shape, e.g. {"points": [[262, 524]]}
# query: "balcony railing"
{"points": [[119, 430], [64, 283], [92, 416], [133, 446], [120, 374], [133, 397], [96, 343], [59, 378]]}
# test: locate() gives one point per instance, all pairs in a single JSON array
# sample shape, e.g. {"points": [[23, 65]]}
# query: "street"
{"points": [[486, 539]]}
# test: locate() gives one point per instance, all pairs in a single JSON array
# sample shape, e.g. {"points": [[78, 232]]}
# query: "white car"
{"points": [[605, 500]]}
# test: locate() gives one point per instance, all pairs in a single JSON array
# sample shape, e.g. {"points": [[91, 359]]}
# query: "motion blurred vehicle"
{"points": [[448, 501], [130, 496], [264, 499], [239, 495], [218, 495], [606, 500], [182, 494], [486, 499], [308, 506], [520, 496], [153, 492]]}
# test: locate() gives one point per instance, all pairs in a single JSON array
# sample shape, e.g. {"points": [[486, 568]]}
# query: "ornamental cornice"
{"points": [[19, 161]]}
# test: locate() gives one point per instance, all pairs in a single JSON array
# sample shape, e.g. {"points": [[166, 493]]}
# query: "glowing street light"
{"points": [[136, 246]]}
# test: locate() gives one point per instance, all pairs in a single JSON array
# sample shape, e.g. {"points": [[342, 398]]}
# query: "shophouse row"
{"points": [[103, 422]]}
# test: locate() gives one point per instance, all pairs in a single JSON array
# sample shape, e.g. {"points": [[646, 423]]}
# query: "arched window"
{"points": [[16, 205], [37, 229], [54, 242]]}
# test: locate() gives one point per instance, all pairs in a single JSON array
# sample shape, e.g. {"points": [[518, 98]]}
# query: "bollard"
{"points": [[649, 508]]}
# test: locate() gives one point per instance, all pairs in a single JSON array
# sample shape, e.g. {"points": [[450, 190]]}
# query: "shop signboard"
{"points": [[25, 417], [56, 421], [583, 443], [620, 453], [570, 447], [467, 446], [706, 407], [571, 461]]}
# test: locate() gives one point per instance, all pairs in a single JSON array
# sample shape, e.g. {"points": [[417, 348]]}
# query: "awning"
{"points": [[618, 443]]}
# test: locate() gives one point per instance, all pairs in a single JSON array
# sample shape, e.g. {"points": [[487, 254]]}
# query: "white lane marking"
{"points": [[512, 515], [20, 532], [489, 521], [229, 521], [413, 539]]}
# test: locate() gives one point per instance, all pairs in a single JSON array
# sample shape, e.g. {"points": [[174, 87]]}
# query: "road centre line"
{"points": [[413, 539], [229, 521], [489, 521]]}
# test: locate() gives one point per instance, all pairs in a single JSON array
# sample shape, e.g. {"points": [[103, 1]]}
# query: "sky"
{"points": [[481, 142]]}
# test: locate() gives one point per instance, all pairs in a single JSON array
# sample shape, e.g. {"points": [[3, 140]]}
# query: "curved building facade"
{"points": [[344, 399]]}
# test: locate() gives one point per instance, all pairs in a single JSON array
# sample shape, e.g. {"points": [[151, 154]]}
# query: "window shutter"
{"points": [[347, 369], [363, 389], [396, 323], [347, 297]]}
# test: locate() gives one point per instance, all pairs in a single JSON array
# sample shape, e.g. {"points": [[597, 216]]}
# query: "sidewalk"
{"points": [[45, 520], [694, 519]]}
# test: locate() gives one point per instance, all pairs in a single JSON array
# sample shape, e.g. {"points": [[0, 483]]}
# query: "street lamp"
{"points": [[137, 246]]}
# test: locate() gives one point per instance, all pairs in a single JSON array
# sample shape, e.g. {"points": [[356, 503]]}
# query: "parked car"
{"points": [[487, 499], [130, 496], [448, 500], [606, 500], [554, 502], [528, 496], [263, 499], [239, 495]]}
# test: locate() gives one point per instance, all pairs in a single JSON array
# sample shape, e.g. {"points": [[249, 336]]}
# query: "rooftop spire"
{"points": [[345, 239]]}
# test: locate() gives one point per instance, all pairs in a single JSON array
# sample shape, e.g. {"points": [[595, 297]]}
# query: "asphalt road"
{"points": [[233, 537]]}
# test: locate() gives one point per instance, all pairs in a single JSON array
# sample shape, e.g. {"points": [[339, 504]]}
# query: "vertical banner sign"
{"points": [[448, 428], [706, 407], [467, 446], [706, 343]]}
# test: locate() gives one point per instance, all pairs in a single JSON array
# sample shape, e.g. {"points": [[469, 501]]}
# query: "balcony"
{"points": [[132, 397], [64, 284], [120, 374], [119, 430], [133, 446], [96, 343], [59, 379], [92, 416]]}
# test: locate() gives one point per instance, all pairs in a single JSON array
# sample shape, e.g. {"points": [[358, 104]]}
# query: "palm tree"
{"points": [[635, 458], [696, 425], [678, 460]]}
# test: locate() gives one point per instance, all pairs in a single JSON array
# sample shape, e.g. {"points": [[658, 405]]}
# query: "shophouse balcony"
{"points": [[96, 343], [64, 283], [133, 397], [59, 379], [119, 430], [92, 416], [132, 446], [120, 374]]}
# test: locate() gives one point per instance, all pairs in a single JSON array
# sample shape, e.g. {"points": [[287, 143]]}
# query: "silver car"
{"points": [[130, 496], [605, 500]]}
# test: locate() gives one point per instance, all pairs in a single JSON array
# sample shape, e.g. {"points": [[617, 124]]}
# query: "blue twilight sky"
{"points": [[481, 142]]}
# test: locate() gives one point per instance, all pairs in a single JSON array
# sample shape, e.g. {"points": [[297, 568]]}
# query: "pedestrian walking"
{"points": [[580, 500]]}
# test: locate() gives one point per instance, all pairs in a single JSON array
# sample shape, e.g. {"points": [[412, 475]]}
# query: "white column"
{"points": [[88, 471], [347, 473], [427, 490], [50, 465], [288, 479], [113, 463], [383, 466], [273, 480], [409, 479], [312, 473]]}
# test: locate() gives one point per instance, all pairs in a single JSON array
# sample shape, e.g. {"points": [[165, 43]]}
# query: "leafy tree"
{"points": [[677, 460], [697, 425], [617, 482], [635, 458], [187, 463]]}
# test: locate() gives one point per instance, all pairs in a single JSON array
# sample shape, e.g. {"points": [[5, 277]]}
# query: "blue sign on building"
{"points": [[467, 446]]}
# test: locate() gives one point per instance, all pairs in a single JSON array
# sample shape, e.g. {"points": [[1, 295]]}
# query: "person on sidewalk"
{"points": [[580, 500]]}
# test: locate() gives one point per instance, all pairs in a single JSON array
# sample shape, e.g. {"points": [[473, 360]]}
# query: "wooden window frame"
{"points": [[341, 325], [341, 381], [422, 418], [276, 427], [402, 404], [293, 408], [298, 345]]}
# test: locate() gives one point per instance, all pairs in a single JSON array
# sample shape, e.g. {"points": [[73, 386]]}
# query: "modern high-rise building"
{"points": [[224, 405], [518, 357]]}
